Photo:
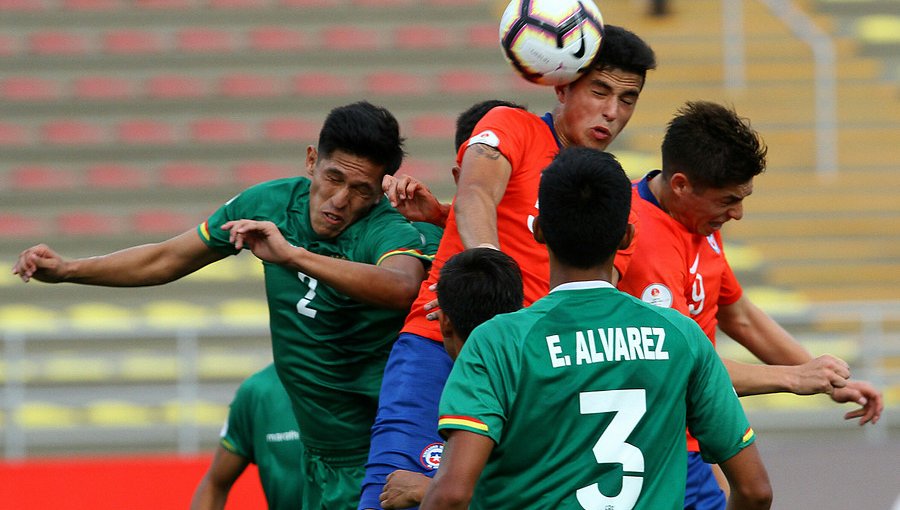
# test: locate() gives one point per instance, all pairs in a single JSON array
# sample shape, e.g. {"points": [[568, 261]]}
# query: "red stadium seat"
{"points": [[72, 132], [219, 130], [146, 132], [396, 84], [427, 171], [115, 176], [422, 37], [385, 3], [432, 126], [250, 85], [291, 129], [238, 4], [42, 178], [29, 88], [103, 87], [9, 45], [165, 4], [163, 221], [20, 225], [468, 82], [131, 41], [79, 223], [276, 39], [92, 5], [483, 36], [23, 5], [323, 85], [56, 42], [350, 38], [14, 135], [176, 87], [206, 40], [311, 3], [251, 173], [190, 175]]}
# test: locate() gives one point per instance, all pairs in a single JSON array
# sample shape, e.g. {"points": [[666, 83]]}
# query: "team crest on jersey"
{"points": [[431, 455], [712, 242], [486, 137], [657, 294]]}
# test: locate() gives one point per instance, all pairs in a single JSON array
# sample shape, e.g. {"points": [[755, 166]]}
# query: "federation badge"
{"points": [[431, 455], [657, 294], [713, 244]]}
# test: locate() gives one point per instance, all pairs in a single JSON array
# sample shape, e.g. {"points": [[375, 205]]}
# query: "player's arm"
{"points": [[464, 457], [746, 474], [483, 177], [393, 283], [212, 492], [414, 200], [148, 264]]}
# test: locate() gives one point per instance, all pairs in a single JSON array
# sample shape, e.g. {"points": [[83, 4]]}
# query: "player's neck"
{"points": [[657, 186], [561, 273]]}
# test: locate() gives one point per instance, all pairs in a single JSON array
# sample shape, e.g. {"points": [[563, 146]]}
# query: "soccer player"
{"points": [[341, 269], [475, 285], [580, 400], [260, 429], [710, 157], [495, 205]]}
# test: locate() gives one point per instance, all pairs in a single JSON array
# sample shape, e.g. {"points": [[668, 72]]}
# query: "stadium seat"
{"points": [[119, 413], [72, 132], [133, 41], [276, 39], [28, 318], [422, 37], [170, 86], [103, 87], [147, 366], [206, 40], [350, 38], [483, 36], [41, 178], [428, 171], [392, 83], [23, 5], [146, 132], [167, 314], [14, 135], [468, 82], [229, 364], [244, 85], [55, 42], [76, 368], [92, 5], [238, 4], [88, 223], [291, 129], [254, 172], [432, 126], [200, 412], [163, 222], [21, 226], [45, 415], [9, 45], [320, 84], [29, 88], [115, 176], [219, 130], [190, 175], [310, 3], [101, 316], [242, 313], [165, 4]]}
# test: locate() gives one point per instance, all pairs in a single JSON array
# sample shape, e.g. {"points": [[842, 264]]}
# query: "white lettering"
{"points": [[634, 343], [647, 343], [555, 351], [621, 346], [661, 339]]}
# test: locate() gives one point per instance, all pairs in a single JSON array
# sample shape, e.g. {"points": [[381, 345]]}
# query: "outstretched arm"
{"points": [[212, 492], [414, 200], [138, 266], [482, 183], [464, 457], [393, 283]]}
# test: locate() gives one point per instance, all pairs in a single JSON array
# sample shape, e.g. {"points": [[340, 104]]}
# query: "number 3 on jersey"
{"points": [[303, 307], [612, 448]]}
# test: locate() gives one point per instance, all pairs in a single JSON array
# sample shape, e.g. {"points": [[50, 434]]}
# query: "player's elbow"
{"points": [[447, 497], [753, 495]]}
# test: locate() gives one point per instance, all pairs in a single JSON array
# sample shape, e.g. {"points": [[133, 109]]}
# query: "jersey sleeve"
{"points": [[473, 397], [390, 234], [239, 207], [237, 435], [714, 414], [504, 129], [730, 290]]}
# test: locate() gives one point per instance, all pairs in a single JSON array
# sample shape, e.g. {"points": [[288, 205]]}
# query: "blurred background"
{"points": [[128, 121]]}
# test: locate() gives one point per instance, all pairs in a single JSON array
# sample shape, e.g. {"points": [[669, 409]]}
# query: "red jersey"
{"points": [[713, 284], [529, 144]]}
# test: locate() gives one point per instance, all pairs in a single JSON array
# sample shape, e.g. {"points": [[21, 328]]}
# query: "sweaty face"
{"points": [[344, 188], [595, 108], [705, 212]]}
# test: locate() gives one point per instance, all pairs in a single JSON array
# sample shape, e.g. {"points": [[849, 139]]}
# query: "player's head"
{"points": [[475, 285], [595, 108], [710, 156], [359, 143], [585, 200]]}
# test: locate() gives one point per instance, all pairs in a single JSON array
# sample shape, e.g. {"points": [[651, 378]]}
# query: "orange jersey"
{"points": [[529, 144], [713, 285]]}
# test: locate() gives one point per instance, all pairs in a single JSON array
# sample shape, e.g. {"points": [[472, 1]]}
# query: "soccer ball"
{"points": [[551, 42]]}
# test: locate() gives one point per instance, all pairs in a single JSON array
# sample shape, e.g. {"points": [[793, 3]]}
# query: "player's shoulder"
{"points": [[280, 188], [262, 381]]}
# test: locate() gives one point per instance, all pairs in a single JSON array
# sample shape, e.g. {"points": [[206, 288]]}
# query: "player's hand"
{"points": [[41, 263], [404, 489], [413, 199], [432, 307], [821, 375], [866, 396], [261, 237]]}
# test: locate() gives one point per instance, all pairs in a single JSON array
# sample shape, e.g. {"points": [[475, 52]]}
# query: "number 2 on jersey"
{"points": [[629, 406], [303, 307]]}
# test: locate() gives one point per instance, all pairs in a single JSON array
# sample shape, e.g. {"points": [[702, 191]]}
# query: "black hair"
{"points": [[466, 121], [477, 284], [712, 146], [623, 49], [363, 130], [585, 198]]}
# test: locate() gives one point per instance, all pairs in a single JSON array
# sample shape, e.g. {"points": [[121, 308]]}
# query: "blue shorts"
{"points": [[404, 435], [702, 491]]}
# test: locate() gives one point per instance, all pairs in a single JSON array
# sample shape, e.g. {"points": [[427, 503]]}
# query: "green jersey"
{"points": [[262, 429], [329, 349], [586, 394]]}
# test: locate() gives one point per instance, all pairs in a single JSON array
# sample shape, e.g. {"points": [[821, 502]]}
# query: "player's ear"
{"points": [[628, 237], [312, 155], [455, 171], [680, 184], [536, 230], [560, 93]]}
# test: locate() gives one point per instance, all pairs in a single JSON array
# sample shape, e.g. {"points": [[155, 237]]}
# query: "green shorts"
{"points": [[332, 480]]}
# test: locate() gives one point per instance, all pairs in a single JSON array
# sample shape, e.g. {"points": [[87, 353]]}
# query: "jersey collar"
{"points": [[548, 119], [643, 188], [592, 284]]}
